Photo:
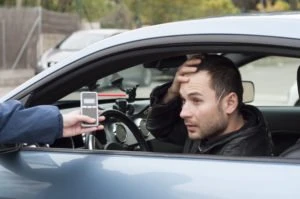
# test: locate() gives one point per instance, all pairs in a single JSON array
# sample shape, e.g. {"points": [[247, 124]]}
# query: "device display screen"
{"points": [[89, 107], [89, 101]]}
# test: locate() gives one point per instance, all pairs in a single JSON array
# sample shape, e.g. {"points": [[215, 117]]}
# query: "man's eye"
{"points": [[196, 100], [183, 101]]}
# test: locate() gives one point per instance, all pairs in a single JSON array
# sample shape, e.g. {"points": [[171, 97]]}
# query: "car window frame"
{"points": [[189, 45], [152, 47]]}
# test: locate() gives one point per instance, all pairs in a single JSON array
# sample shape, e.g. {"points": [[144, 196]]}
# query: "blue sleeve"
{"points": [[40, 124]]}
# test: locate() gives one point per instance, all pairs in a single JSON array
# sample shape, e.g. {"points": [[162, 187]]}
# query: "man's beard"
{"points": [[214, 128]]}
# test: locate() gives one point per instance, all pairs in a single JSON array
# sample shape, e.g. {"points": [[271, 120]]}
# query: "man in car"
{"points": [[40, 124], [202, 110]]}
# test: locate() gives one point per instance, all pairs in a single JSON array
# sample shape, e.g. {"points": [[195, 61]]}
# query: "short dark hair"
{"points": [[225, 76]]}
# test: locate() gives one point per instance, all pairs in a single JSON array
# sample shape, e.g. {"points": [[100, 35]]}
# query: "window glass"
{"points": [[146, 79], [274, 79]]}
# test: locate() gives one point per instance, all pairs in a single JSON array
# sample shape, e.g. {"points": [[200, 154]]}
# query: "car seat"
{"points": [[294, 151]]}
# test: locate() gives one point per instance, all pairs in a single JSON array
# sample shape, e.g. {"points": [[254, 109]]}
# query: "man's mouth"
{"points": [[190, 127]]}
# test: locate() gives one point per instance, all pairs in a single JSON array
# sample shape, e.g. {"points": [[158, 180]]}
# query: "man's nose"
{"points": [[185, 111]]}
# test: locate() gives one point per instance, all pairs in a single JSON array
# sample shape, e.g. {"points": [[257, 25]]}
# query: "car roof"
{"points": [[271, 25], [274, 25], [103, 31]]}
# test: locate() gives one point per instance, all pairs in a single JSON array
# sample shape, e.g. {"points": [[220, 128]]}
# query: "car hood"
{"points": [[57, 55]]}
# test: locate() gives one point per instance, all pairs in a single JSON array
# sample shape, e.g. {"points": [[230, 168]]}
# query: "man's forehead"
{"points": [[201, 78], [202, 73], [198, 84]]}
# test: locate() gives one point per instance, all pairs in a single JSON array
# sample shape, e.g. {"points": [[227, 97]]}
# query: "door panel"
{"points": [[112, 174]]}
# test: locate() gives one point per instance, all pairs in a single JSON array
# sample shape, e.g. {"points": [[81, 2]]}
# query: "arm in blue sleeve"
{"points": [[40, 124]]}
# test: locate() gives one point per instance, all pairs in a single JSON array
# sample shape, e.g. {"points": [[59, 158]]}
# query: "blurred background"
{"points": [[32, 31]]}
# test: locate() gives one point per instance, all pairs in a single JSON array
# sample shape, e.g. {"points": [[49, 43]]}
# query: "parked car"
{"points": [[81, 39], [141, 166]]}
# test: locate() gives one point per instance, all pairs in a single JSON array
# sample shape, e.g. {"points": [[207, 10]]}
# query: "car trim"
{"points": [[261, 159]]}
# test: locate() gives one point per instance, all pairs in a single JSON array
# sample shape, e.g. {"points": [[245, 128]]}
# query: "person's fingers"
{"points": [[100, 127], [189, 66], [87, 119], [187, 69], [183, 79], [101, 118], [84, 118], [192, 62], [91, 129]]}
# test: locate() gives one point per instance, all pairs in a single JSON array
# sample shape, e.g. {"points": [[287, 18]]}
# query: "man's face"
{"points": [[202, 112]]}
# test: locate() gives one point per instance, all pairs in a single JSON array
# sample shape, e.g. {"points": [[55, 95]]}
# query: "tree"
{"points": [[120, 17], [270, 6], [144, 12], [154, 12], [246, 5], [293, 4]]}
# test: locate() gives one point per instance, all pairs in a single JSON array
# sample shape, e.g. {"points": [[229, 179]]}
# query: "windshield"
{"points": [[145, 78], [80, 40]]}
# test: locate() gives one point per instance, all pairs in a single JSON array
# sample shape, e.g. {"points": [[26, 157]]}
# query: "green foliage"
{"points": [[279, 5], [8, 3], [154, 12], [119, 17], [147, 12], [93, 10], [218, 7]]}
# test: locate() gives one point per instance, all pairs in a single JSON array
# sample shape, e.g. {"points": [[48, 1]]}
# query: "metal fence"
{"points": [[25, 31]]}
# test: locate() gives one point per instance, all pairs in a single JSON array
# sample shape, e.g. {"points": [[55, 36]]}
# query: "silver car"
{"points": [[126, 161], [72, 44], [81, 39]]}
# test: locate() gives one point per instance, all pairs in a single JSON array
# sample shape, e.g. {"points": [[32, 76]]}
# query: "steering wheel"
{"points": [[111, 118]]}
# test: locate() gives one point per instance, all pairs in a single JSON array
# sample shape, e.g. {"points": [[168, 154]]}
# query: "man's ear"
{"points": [[230, 102]]}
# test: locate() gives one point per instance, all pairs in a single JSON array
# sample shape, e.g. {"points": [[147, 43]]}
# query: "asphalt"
{"points": [[9, 79]]}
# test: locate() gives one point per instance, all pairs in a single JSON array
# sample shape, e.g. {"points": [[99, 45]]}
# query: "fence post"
{"points": [[3, 45], [25, 44], [40, 34]]}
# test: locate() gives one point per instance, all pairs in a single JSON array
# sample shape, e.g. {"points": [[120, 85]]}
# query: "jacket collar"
{"points": [[253, 119]]}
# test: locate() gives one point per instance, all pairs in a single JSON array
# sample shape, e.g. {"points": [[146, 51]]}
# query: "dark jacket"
{"points": [[253, 139], [40, 124]]}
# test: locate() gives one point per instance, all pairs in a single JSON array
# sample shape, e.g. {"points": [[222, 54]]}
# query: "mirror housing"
{"points": [[249, 91]]}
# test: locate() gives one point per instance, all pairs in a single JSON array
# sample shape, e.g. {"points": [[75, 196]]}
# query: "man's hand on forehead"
{"points": [[193, 62], [181, 76]]}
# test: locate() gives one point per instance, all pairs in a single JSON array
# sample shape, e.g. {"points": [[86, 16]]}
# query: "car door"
{"points": [[48, 173], [41, 172]]}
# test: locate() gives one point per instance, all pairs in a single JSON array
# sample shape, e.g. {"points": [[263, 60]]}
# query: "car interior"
{"points": [[126, 104], [293, 151]]}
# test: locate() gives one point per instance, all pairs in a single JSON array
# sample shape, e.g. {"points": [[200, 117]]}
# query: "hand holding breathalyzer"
{"points": [[72, 124]]}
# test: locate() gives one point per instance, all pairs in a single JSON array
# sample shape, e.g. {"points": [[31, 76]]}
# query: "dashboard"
{"points": [[117, 133]]}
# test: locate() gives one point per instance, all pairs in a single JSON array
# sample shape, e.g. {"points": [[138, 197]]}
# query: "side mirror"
{"points": [[249, 91]]}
